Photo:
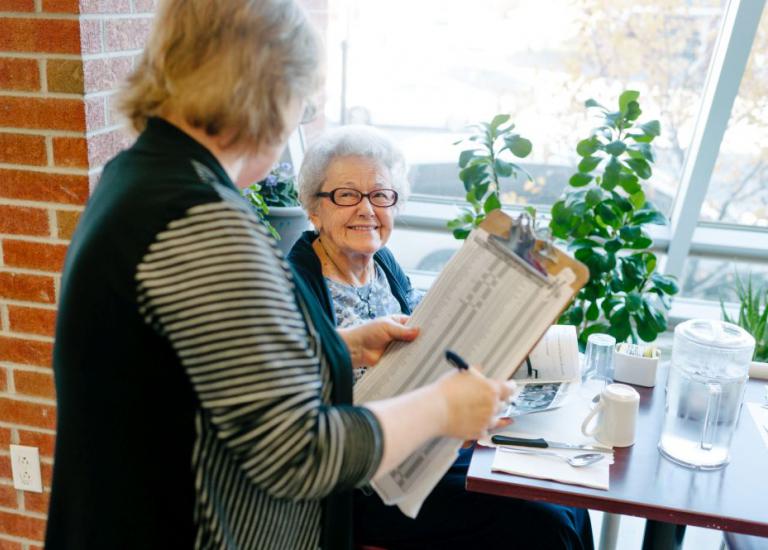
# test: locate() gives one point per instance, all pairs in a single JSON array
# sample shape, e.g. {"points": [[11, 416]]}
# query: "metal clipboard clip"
{"points": [[533, 248]]}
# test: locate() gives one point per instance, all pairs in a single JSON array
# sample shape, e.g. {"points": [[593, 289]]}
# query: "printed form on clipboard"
{"points": [[491, 304]]}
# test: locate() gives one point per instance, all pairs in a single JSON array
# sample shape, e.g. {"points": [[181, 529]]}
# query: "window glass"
{"points": [[738, 190], [422, 71], [714, 279]]}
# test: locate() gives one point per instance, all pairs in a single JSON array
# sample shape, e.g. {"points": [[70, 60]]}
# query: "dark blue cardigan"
{"points": [[307, 266]]}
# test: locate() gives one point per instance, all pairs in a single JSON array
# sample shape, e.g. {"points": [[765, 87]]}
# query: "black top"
{"points": [[203, 398], [307, 266]]}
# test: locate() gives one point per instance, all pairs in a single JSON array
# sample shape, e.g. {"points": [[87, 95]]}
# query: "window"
{"points": [[738, 190], [422, 71]]}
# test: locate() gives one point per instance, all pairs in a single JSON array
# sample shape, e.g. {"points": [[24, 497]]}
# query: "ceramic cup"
{"points": [[614, 415]]}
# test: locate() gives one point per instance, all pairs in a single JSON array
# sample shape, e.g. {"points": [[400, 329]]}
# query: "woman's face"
{"points": [[354, 230]]}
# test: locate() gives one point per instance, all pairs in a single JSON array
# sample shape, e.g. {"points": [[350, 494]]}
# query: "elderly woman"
{"points": [[204, 400], [351, 183]]}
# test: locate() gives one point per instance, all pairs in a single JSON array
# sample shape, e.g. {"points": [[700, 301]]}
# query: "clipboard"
{"points": [[519, 239], [491, 304]]}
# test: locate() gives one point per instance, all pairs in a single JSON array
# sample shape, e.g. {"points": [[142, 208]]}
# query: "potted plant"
{"points": [[492, 146], [602, 216], [753, 317], [275, 201]]}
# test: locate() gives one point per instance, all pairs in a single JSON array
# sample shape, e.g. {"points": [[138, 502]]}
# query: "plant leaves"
{"points": [[503, 168], [626, 97], [492, 202], [615, 148], [593, 312], [498, 120], [641, 167], [518, 146], [588, 164], [586, 147], [651, 128], [665, 283], [465, 157], [590, 103], [580, 180]]}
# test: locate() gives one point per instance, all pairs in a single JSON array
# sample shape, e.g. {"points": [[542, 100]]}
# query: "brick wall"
{"points": [[60, 62]]}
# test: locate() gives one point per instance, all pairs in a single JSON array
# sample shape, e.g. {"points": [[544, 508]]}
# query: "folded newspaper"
{"points": [[490, 307]]}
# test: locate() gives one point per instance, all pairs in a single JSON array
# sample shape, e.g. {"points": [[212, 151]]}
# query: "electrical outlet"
{"points": [[25, 465]]}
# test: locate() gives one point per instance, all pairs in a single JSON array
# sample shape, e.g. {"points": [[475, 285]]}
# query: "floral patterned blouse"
{"points": [[354, 306]]}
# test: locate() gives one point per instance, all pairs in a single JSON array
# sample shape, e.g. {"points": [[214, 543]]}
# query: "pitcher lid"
{"points": [[713, 333]]}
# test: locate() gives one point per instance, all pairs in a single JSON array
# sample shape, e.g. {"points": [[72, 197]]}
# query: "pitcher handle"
{"points": [[712, 415], [584, 425]]}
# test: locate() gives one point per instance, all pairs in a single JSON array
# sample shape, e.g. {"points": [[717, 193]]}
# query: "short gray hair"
{"points": [[350, 141]]}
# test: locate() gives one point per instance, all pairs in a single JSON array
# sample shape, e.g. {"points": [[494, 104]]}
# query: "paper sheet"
{"points": [[489, 308], [595, 475], [556, 357]]}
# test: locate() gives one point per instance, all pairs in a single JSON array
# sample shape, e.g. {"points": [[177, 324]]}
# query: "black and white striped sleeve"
{"points": [[213, 286]]}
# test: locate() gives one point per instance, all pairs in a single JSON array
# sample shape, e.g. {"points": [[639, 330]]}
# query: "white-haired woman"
{"points": [[203, 399], [352, 181]]}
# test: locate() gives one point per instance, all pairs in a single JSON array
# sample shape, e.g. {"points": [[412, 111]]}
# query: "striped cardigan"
{"points": [[203, 399]]}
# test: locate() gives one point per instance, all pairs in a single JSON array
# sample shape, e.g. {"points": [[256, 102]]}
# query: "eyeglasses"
{"points": [[344, 196]]}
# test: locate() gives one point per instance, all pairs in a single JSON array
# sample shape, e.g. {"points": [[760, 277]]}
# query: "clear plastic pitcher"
{"points": [[707, 377]]}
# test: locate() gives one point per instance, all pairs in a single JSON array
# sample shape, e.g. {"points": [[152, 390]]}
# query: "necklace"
{"points": [[363, 291]]}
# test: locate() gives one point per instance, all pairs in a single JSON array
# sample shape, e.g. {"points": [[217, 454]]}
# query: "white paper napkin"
{"points": [[760, 416], [553, 468]]}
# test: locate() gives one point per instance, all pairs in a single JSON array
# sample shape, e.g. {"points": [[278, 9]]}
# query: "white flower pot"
{"points": [[758, 370], [290, 222]]}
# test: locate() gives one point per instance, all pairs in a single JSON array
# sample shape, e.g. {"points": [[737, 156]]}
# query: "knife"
{"points": [[542, 443]]}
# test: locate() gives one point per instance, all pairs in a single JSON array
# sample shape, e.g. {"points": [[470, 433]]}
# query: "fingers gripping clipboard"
{"points": [[491, 304]]}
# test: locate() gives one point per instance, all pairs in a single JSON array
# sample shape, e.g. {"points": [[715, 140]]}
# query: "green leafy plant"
{"points": [[753, 314], [276, 190], [602, 215], [489, 157]]}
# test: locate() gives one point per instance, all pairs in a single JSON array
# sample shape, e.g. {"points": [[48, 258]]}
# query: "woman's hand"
{"points": [[366, 343], [471, 402]]}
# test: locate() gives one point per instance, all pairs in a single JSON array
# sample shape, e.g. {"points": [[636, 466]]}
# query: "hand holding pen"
{"points": [[472, 400]]}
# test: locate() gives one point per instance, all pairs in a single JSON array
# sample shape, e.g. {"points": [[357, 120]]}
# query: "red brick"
{"points": [[26, 352], [22, 149], [28, 288], [61, 6], [106, 74], [8, 499], [126, 34], [5, 437], [66, 222], [65, 76], [43, 186], [37, 384], [28, 414], [32, 320], [42, 113], [17, 5], [11, 545], [46, 473], [70, 152], [45, 442], [39, 35], [5, 468], [36, 502], [21, 220], [21, 75], [33, 255], [18, 525], [3, 379], [105, 6]]}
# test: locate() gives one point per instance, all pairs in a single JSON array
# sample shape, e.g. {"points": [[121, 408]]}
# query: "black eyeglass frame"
{"points": [[331, 195]]}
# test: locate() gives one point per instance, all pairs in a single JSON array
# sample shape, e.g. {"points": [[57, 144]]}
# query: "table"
{"points": [[645, 484]]}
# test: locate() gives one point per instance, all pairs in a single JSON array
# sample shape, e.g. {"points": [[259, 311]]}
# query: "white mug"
{"points": [[616, 416]]}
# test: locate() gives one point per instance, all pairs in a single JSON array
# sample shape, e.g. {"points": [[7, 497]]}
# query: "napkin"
{"points": [[562, 424], [760, 416], [553, 468]]}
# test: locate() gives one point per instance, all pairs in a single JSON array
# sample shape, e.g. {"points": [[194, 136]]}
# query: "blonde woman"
{"points": [[204, 401]]}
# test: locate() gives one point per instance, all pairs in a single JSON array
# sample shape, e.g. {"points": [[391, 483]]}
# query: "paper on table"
{"points": [[556, 357], [553, 468], [488, 307], [760, 416]]}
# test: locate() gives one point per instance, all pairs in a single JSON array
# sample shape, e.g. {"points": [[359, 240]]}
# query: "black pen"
{"points": [[454, 359]]}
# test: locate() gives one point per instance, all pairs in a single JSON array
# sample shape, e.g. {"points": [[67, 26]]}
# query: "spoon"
{"points": [[577, 461]]}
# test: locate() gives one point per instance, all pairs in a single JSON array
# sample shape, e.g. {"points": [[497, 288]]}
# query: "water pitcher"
{"points": [[707, 377]]}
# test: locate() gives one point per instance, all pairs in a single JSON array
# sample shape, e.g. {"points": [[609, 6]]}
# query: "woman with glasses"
{"points": [[352, 182]]}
